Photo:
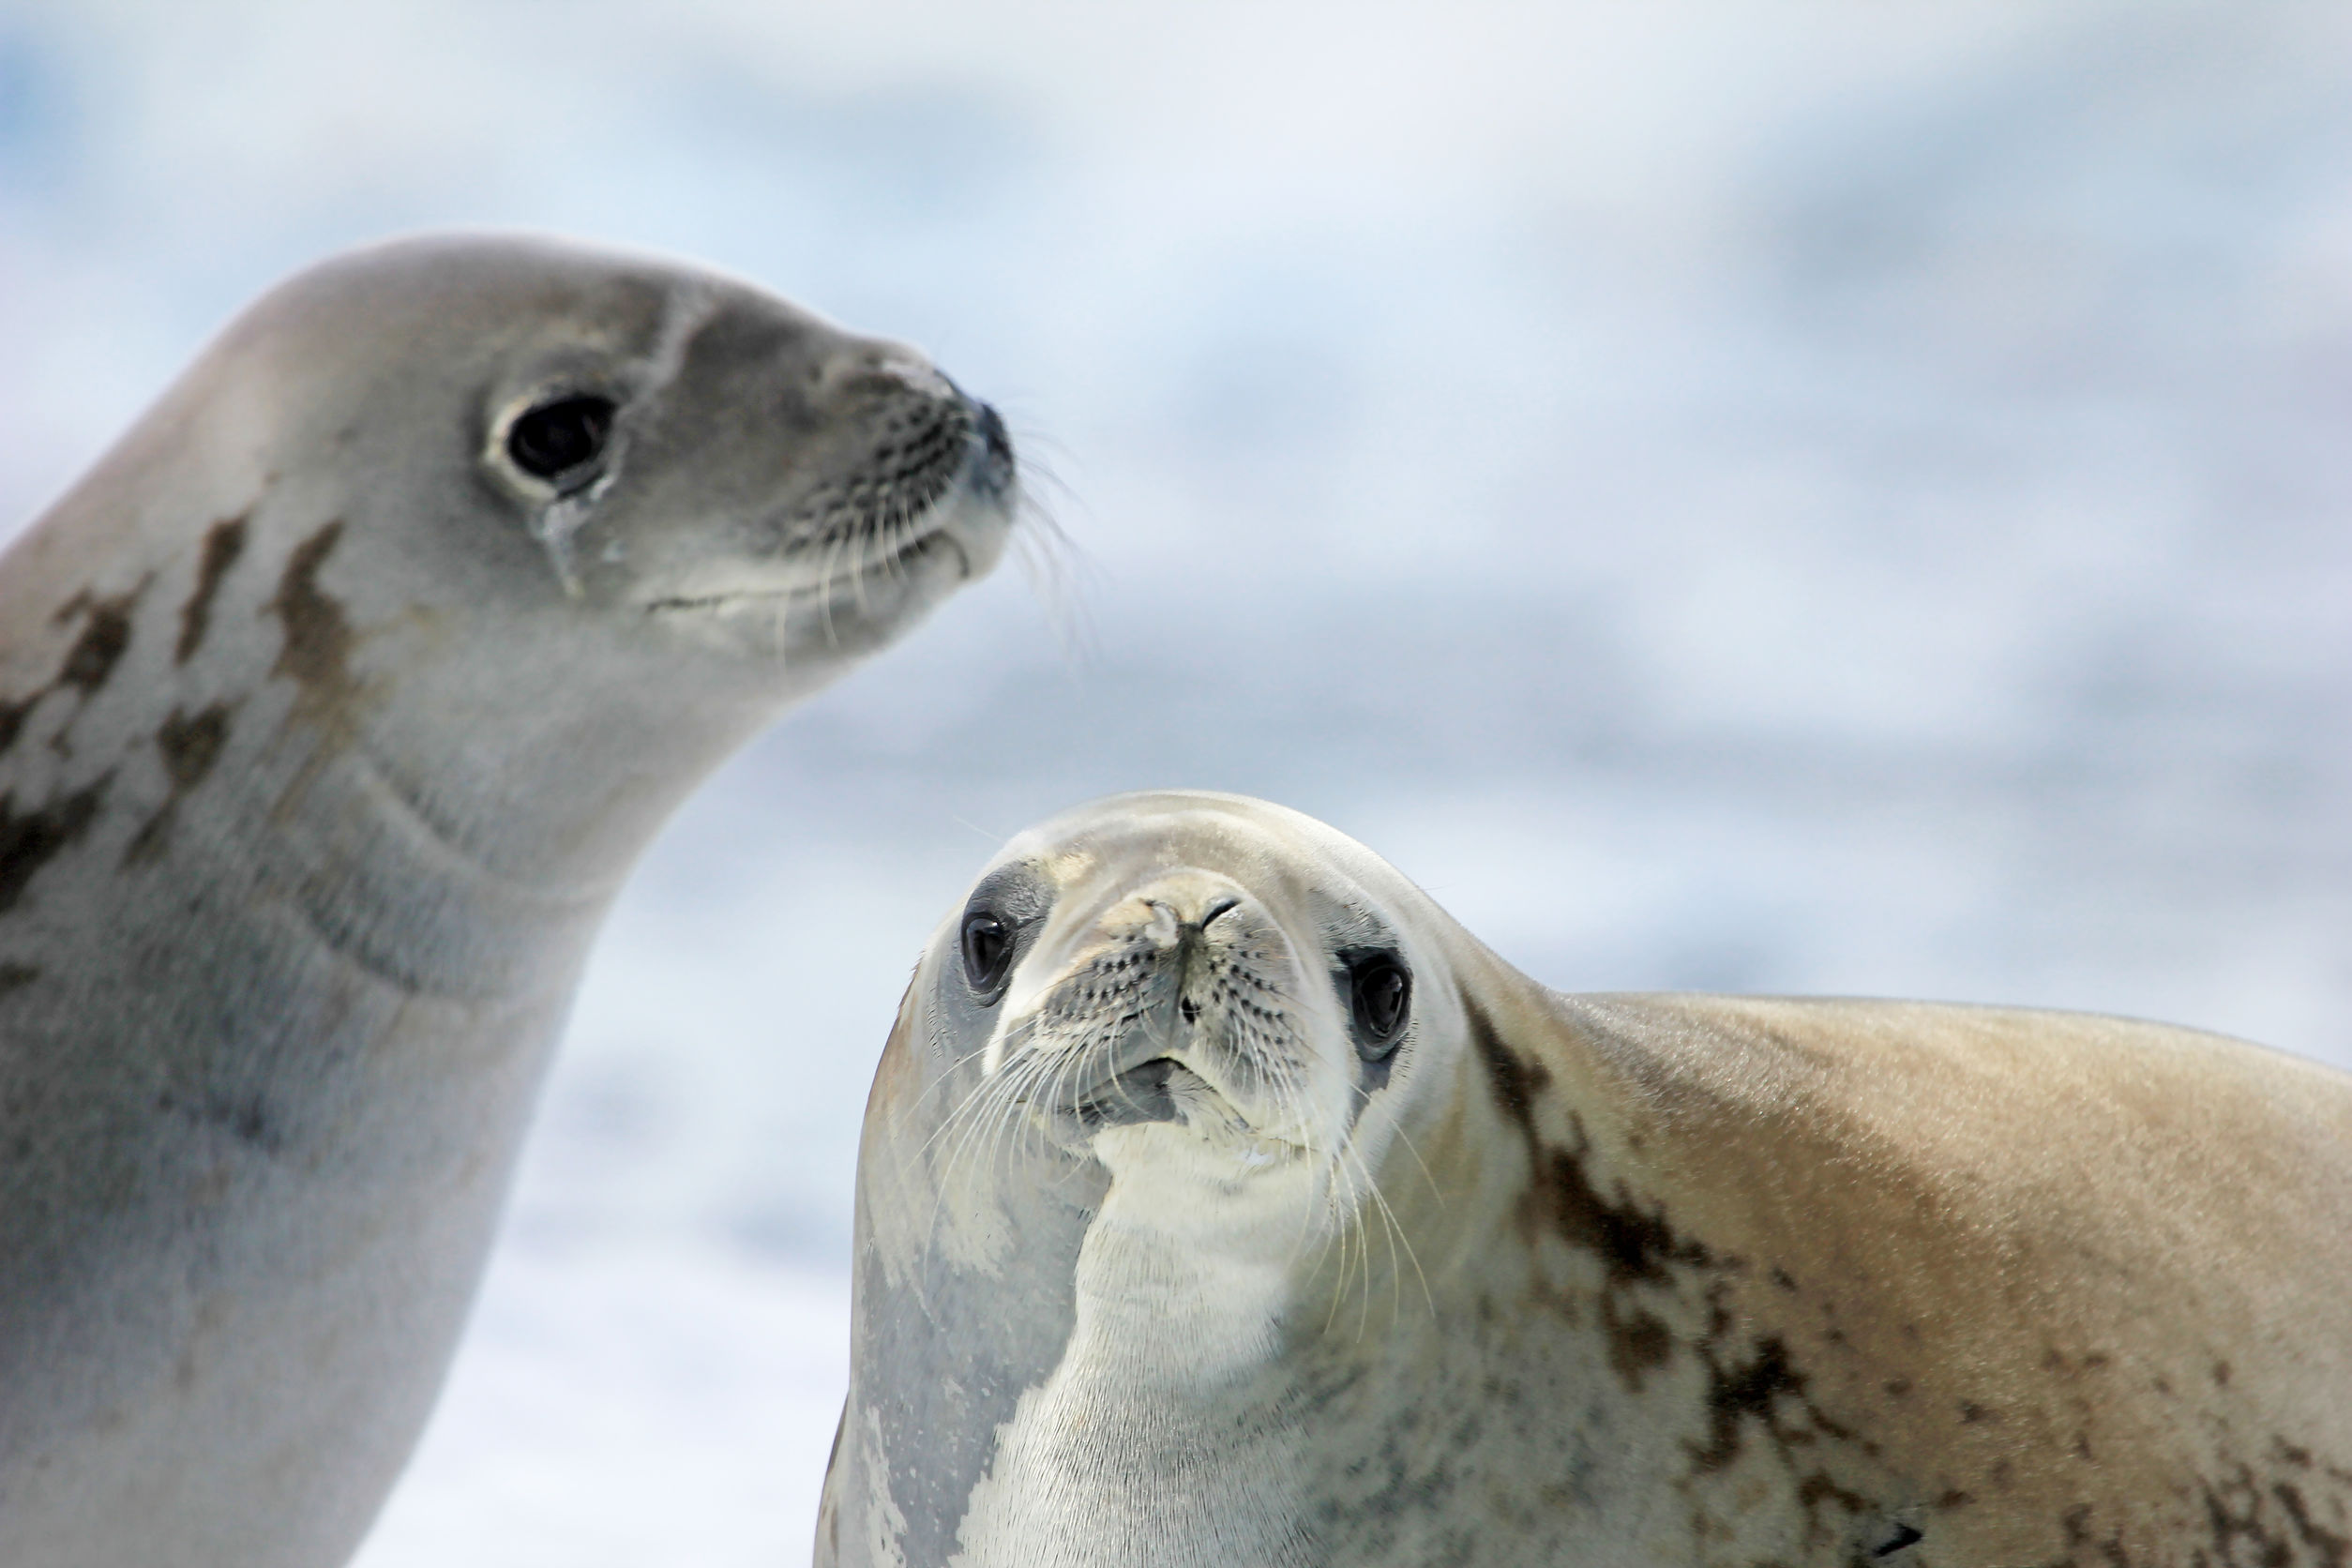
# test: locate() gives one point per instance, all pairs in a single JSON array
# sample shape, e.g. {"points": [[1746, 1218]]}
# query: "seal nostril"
{"points": [[993, 436], [1222, 906], [992, 464]]}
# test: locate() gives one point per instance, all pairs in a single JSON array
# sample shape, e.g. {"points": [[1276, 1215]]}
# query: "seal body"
{"points": [[1222, 1202], [335, 703]]}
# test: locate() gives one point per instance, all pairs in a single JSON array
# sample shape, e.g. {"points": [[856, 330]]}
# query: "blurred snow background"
{"points": [[1811, 496]]}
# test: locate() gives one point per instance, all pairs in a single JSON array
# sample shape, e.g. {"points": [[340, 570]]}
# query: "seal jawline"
{"points": [[833, 589]]}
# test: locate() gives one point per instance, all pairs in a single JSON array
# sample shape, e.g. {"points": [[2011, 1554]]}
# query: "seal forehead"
{"points": [[1277, 853]]}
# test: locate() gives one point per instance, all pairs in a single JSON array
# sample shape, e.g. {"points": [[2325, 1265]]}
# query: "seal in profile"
{"points": [[335, 704], [1222, 1202]]}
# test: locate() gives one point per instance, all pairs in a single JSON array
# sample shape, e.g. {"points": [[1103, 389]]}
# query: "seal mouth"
{"points": [[837, 585], [1144, 1092], [881, 526], [1166, 1090]]}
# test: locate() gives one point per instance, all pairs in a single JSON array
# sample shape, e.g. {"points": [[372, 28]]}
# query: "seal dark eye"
{"points": [[988, 945], [1380, 993], [559, 437]]}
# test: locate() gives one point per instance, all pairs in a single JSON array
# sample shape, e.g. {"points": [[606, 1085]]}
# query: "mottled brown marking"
{"points": [[1737, 1394], [1818, 1488], [317, 650], [224, 541], [2334, 1550], [12, 717], [1631, 1244], [2229, 1525], [15, 976], [105, 638], [1638, 1340], [190, 745], [1516, 1083], [29, 839]]}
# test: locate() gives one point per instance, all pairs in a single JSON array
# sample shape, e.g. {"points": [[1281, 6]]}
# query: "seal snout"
{"points": [[991, 466], [916, 443], [1184, 986]]}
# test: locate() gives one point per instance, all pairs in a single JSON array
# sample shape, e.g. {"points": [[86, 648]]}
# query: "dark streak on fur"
{"points": [[88, 665], [1632, 1244], [2335, 1550], [105, 638], [190, 745], [223, 543], [317, 650], [12, 717], [1760, 1390], [1737, 1395], [28, 840], [1635, 1246]]}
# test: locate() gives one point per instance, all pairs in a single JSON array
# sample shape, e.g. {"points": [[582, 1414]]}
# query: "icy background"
{"points": [[1800, 496]]}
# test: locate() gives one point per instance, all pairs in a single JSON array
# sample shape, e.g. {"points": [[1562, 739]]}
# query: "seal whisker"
{"points": [[1396, 1238], [868, 531], [1402, 1137], [989, 1102], [825, 590]]}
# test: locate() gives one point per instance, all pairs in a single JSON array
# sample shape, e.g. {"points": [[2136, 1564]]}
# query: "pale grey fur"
{"points": [[327, 732]]}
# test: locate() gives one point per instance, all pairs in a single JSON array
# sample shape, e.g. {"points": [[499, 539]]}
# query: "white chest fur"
{"points": [[1162, 1434]]}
